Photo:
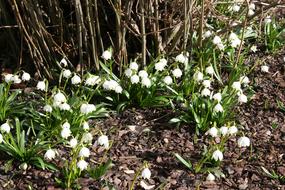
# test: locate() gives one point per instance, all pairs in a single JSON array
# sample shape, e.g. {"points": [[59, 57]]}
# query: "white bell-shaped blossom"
{"points": [[76, 79], [168, 80], [217, 155], [84, 152], [146, 82], [213, 132], [50, 154], [218, 108], [66, 73], [107, 55], [103, 141], [82, 165], [41, 85], [5, 128], [177, 73], [143, 74], [210, 177], [134, 66], [243, 142], [146, 173], [26, 76], [135, 79]]}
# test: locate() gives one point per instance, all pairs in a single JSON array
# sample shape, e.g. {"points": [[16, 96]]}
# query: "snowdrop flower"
{"points": [[168, 80], [26, 76], [160, 66], [50, 154], [16, 79], [218, 108], [236, 85], [85, 125], [143, 74], [244, 80], [235, 8], [8, 78], [66, 73], [84, 152], [118, 89], [252, 6], [63, 62], [250, 12], [217, 96], [134, 66], [65, 133], [177, 73], [253, 48], [181, 58], [243, 141], [242, 98], [92, 80], [128, 72], [224, 130], [267, 20], [59, 97], [87, 138], [103, 141], [146, 174], [1, 138], [5, 127], [106, 55], [87, 108], [41, 85], [146, 82], [207, 83], [113, 84], [207, 34], [75, 79], [217, 155], [48, 108], [198, 76], [73, 142], [233, 130], [82, 165], [210, 70], [221, 46], [205, 92], [235, 41], [135, 79], [213, 132], [210, 177], [217, 40], [65, 125], [265, 68], [64, 106]]}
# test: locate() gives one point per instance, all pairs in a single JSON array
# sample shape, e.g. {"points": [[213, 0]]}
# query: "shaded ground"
{"points": [[146, 136]]}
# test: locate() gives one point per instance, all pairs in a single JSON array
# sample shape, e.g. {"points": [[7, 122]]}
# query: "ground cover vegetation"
{"points": [[96, 84]]}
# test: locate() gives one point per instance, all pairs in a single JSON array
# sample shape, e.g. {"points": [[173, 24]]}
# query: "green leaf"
{"points": [[186, 163], [99, 171]]}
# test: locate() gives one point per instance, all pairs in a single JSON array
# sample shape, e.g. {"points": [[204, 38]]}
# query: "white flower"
{"points": [[251, 6], [198, 76], [110, 84], [64, 106], [84, 152], [128, 72], [135, 79], [253, 48], [65, 125], [118, 89], [82, 165], [146, 174], [87, 108], [235, 8], [244, 80], [233, 130], [41, 85], [87, 138], [65, 133], [50, 154], [8, 78], [1, 138], [224, 130], [207, 34], [85, 125], [143, 74], [250, 12], [160, 66], [181, 58], [134, 66], [177, 73], [168, 80], [217, 155], [265, 68], [205, 92], [48, 108], [217, 40], [236, 85], [63, 62], [210, 177], [103, 141], [221, 46], [16, 79], [218, 108], [217, 96], [267, 20], [66, 73], [146, 82], [26, 76], [213, 132], [235, 43], [92, 80], [243, 142], [242, 98], [75, 79], [207, 83], [107, 55], [5, 127], [59, 97], [210, 70], [73, 142]]}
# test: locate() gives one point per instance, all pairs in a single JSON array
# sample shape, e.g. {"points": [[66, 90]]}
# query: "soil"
{"points": [[146, 135]]}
